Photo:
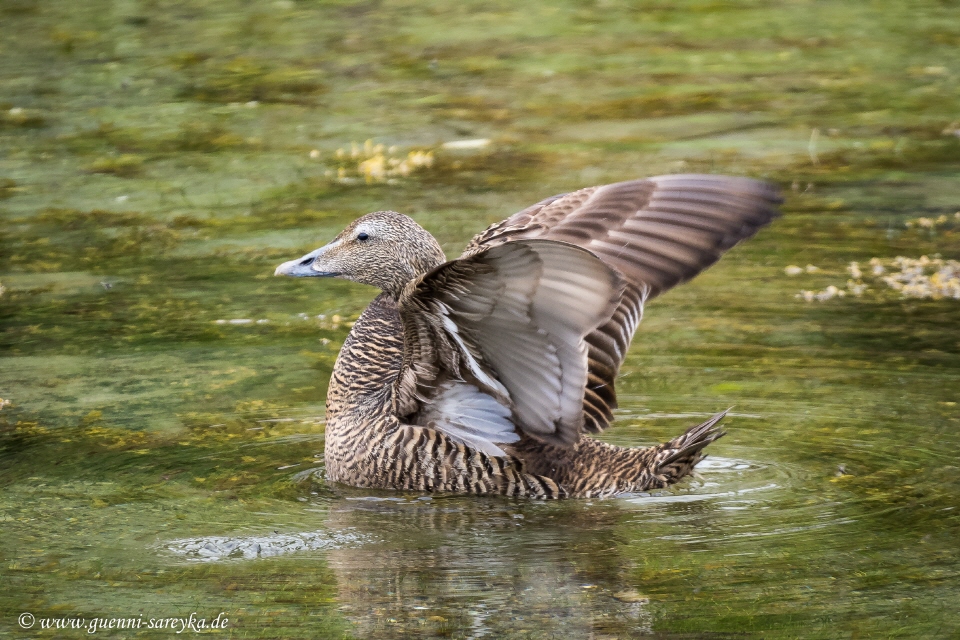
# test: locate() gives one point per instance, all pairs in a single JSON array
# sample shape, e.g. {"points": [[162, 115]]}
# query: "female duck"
{"points": [[485, 374]]}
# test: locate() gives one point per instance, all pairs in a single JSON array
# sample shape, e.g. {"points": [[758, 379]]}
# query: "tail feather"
{"points": [[687, 447]]}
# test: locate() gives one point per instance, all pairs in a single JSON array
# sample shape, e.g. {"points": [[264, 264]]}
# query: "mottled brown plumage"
{"points": [[484, 374]]}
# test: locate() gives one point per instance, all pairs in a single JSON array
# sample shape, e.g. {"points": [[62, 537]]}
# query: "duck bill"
{"points": [[306, 267]]}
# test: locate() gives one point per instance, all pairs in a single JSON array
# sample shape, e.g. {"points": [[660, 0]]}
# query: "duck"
{"points": [[490, 374]]}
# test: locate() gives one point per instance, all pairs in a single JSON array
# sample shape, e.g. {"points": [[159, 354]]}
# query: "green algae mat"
{"points": [[161, 420]]}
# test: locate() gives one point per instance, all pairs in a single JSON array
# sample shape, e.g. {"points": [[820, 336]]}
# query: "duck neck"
{"points": [[417, 259]]}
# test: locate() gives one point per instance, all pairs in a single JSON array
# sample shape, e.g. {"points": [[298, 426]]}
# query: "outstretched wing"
{"points": [[657, 232], [494, 342]]}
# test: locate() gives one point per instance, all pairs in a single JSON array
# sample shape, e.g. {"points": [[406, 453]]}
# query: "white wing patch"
{"points": [[470, 416]]}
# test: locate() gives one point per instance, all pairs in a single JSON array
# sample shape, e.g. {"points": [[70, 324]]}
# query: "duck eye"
{"points": [[362, 236]]}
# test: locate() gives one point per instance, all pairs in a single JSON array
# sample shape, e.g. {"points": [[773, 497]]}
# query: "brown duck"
{"points": [[486, 374]]}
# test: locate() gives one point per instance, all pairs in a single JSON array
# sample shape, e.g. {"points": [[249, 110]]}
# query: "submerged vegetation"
{"points": [[162, 394], [20, 117], [246, 80], [206, 137], [125, 166]]}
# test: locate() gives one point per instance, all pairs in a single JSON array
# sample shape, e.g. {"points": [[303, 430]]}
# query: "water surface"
{"points": [[162, 421]]}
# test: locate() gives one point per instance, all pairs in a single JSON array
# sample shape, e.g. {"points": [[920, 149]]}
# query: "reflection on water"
{"points": [[485, 569]]}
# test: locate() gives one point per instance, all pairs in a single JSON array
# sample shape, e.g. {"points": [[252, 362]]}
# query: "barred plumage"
{"points": [[483, 375]]}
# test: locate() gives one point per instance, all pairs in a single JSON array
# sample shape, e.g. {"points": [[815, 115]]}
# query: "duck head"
{"points": [[385, 249]]}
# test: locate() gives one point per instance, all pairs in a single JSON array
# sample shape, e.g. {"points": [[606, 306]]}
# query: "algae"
{"points": [[158, 386]]}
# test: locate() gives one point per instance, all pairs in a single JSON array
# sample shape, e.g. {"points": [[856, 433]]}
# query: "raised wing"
{"points": [[657, 232], [496, 340]]}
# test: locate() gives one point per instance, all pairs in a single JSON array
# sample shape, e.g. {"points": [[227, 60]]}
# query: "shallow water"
{"points": [[161, 421]]}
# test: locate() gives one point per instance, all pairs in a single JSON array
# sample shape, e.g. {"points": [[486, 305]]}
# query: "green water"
{"points": [[158, 159]]}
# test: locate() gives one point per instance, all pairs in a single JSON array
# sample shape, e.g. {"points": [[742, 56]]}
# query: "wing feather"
{"points": [[657, 232], [505, 325]]}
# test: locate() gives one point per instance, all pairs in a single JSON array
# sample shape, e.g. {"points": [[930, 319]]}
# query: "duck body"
{"points": [[367, 445], [485, 374]]}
